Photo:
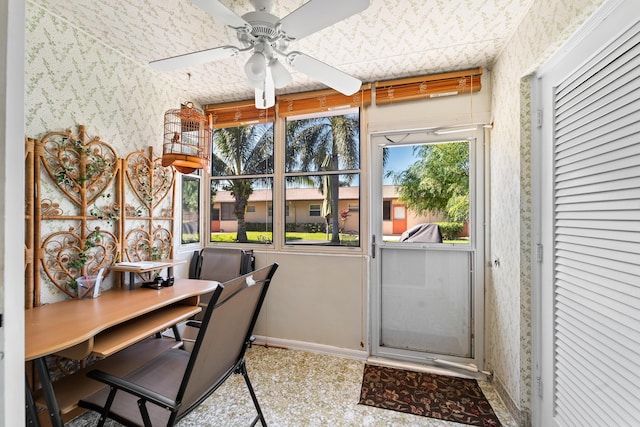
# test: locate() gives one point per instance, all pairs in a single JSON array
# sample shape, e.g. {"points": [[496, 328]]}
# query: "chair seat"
{"points": [[164, 374]]}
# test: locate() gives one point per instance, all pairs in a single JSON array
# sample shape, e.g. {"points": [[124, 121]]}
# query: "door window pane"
{"points": [[427, 186]]}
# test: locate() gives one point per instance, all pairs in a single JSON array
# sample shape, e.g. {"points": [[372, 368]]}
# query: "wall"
{"points": [[547, 24], [71, 79], [316, 302]]}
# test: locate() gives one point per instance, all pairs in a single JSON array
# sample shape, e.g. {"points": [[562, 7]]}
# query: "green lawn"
{"points": [[345, 239], [462, 241], [266, 237]]}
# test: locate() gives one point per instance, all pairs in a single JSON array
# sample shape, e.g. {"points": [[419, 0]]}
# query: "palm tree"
{"points": [[325, 144], [238, 151]]}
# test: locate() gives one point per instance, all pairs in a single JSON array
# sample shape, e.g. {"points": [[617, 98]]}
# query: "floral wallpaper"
{"points": [[72, 78], [543, 29]]}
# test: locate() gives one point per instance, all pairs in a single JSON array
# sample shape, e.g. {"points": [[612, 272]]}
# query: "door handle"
{"points": [[373, 246]]}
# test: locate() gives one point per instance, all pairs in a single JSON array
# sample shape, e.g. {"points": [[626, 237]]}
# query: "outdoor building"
{"points": [[304, 205]]}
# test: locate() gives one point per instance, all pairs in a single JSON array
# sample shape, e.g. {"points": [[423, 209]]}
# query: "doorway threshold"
{"points": [[426, 367]]}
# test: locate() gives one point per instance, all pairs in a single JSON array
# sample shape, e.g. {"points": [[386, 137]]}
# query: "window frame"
{"points": [[315, 210], [268, 175], [320, 172], [194, 177]]}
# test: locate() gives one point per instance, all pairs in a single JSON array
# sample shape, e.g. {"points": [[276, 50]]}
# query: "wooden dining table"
{"points": [[103, 327]]}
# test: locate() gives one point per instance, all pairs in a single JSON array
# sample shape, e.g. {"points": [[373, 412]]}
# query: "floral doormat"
{"points": [[429, 395]]}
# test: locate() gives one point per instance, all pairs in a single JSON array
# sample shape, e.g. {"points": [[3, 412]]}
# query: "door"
{"points": [[215, 220], [426, 294], [399, 219], [587, 319]]}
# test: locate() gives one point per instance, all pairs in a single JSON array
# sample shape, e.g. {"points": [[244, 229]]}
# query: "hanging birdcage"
{"points": [[187, 139]]}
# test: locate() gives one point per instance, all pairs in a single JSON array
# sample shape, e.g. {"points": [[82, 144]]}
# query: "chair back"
{"points": [[224, 264], [224, 335]]}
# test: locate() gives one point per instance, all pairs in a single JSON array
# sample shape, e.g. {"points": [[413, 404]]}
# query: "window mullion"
{"points": [[279, 219]]}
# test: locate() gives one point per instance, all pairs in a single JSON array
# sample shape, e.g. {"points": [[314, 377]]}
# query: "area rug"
{"points": [[436, 396]]}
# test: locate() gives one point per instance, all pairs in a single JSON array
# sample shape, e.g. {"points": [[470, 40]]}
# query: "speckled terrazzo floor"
{"points": [[296, 389]]}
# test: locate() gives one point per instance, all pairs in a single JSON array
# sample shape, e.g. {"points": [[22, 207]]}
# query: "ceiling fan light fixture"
{"points": [[281, 76], [256, 84], [256, 67], [265, 96]]}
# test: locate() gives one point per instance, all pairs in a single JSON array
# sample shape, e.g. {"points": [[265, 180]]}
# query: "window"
{"points": [[386, 210], [226, 211], [319, 151], [190, 209], [322, 178], [241, 183], [314, 210]]}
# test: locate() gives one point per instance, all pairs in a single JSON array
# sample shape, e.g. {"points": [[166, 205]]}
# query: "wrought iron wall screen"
{"points": [[76, 188]]}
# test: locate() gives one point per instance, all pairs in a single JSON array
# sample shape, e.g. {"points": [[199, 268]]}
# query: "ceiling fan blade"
{"points": [[194, 58], [222, 13], [324, 73], [315, 15]]}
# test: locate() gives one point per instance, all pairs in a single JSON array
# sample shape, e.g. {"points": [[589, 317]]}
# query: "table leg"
{"points": [[132, 281], [49, 394], [32, 414]]}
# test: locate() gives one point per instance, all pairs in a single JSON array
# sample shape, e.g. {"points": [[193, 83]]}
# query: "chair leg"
{"points": [[144, 413], [242, 368], [104, 414]]}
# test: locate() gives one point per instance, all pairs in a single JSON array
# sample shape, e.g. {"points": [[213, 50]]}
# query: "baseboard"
{"points": [[312, 347], [522, 417]]}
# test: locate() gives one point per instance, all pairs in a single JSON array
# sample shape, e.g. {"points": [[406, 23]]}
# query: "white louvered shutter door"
{"points": [[597, 239]]}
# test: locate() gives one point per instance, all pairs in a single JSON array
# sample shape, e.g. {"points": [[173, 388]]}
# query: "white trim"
{"points": [[312, 347], [612, 14], [536, 239], [12, 180]]}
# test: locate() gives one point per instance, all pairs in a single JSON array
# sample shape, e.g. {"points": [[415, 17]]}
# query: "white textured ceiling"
{"points": [[390, 39]]}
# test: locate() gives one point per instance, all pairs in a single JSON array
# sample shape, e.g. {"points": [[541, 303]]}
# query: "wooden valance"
{"points": [[239, 113], [431, 86], [386, 92], [322, 100]]}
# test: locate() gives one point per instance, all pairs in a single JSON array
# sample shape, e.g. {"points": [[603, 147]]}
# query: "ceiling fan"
{"points": [[268, 37]]}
